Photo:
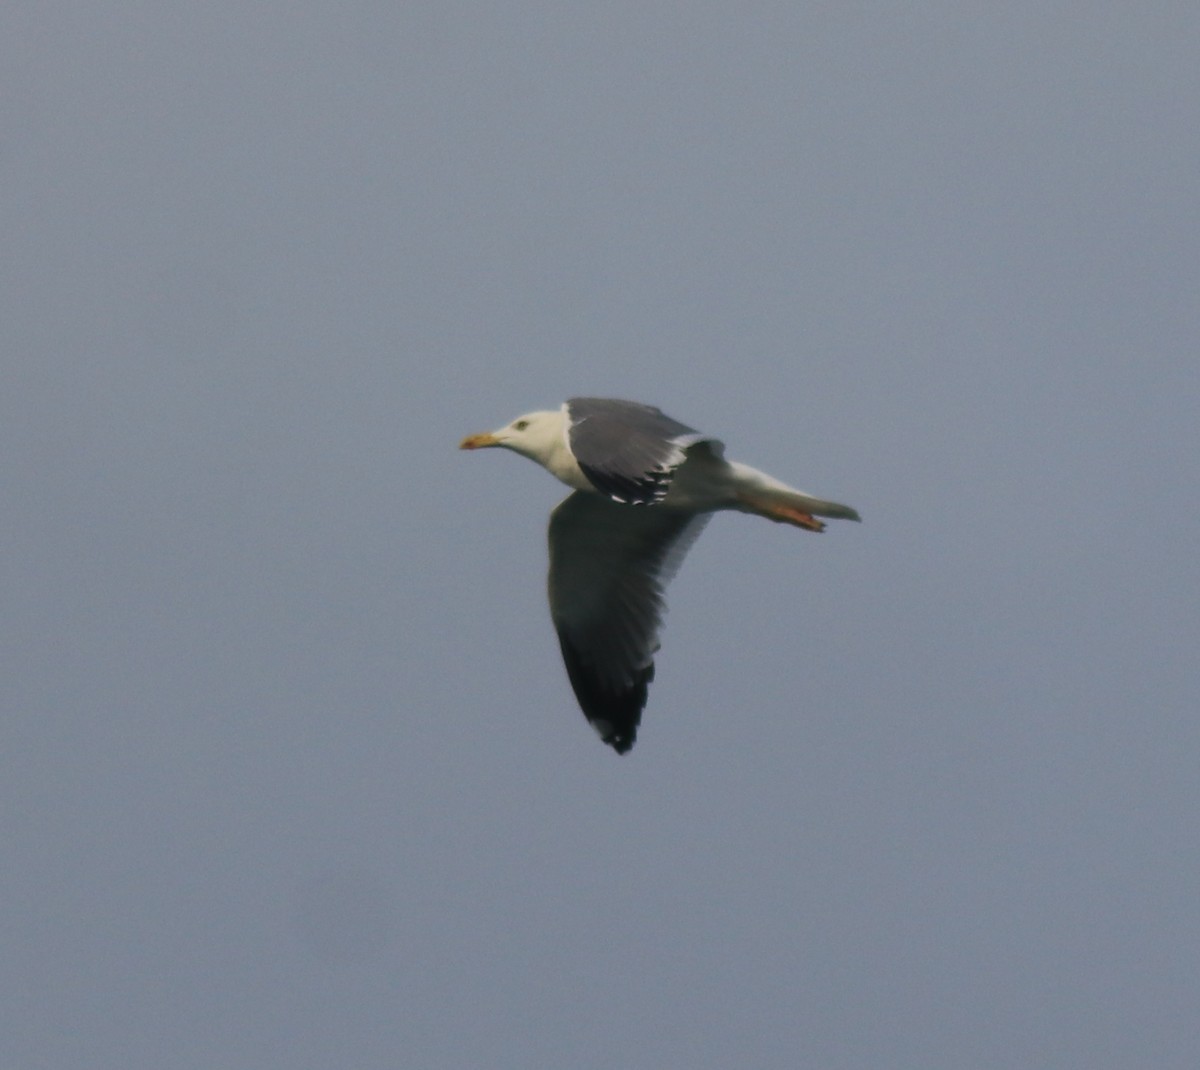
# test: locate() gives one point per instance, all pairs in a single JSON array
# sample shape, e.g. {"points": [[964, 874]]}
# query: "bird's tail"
{"points": [[762, 495]]}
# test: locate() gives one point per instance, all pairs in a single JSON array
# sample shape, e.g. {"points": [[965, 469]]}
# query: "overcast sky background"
{"points": [[292, 776]]}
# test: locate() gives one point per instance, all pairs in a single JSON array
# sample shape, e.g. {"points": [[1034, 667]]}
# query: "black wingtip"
{"points": [[615, 714], [622, 742]]}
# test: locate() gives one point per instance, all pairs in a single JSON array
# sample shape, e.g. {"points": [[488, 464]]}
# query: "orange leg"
{"points": [[782, 513]]}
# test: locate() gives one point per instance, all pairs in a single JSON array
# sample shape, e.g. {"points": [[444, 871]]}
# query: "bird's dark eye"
{"points": [[520, 425]]}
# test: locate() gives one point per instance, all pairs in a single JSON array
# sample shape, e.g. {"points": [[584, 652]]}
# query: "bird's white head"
{"points": [[537, 435]]}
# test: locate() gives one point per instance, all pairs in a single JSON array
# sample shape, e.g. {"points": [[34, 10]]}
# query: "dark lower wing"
{"points": [[609, 565]]}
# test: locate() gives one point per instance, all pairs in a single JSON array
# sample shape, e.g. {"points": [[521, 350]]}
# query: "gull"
{"points": [[644, 487]]}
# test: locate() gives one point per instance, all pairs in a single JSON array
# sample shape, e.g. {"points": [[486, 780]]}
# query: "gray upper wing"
{"points": [[609, 565], [629, 451]]}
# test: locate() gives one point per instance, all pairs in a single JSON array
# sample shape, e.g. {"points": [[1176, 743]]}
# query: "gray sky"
{"points": [[292, 775]]}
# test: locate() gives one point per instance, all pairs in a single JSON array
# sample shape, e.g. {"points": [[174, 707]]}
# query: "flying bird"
{"points": [[644, 487]]}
